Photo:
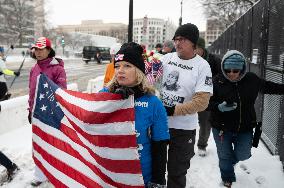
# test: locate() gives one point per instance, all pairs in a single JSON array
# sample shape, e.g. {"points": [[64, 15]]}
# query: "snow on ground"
{"points": [[261, 171]]}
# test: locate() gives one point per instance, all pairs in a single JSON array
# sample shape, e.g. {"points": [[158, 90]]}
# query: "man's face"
{"points": [[184, 47]]}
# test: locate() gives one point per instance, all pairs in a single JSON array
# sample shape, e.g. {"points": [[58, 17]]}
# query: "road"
{"points": [[77, 72]]}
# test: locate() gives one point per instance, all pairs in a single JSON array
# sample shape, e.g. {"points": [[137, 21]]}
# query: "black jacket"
{"points": [[244, 93], [213, 61]]}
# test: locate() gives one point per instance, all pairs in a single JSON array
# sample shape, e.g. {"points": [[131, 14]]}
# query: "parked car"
{"points": [[97, 53]]}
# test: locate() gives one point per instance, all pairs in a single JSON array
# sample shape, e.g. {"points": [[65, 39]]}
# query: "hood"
{"points": [[50, 62], [229, 54]]}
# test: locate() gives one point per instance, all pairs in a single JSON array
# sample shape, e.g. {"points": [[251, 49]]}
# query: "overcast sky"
{"points": [[73, 11]]}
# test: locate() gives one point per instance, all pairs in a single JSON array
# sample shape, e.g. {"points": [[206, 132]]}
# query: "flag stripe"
{"points": [[108, 153], [97, 117], [111, 141], [51, 172], [119, 166], [67, 170], [82, 179], [99, 97], [59, 147], [93, 106], [121, 128]]}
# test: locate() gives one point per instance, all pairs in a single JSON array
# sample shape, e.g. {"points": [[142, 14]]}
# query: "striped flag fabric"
{"points": [[85, 140], [154, 70]]}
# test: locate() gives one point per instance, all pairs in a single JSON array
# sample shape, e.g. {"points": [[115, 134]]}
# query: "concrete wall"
{"points": [[14, 113]]}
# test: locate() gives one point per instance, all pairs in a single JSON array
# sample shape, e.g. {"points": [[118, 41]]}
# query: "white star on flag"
{"points": [[41, 96], [45, 85], [43, 108]]}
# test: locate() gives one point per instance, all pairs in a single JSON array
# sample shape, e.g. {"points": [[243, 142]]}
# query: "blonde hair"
{"points": [[141, 82]]}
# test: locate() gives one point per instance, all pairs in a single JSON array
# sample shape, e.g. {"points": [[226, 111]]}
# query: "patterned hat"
{"points": [[235, 61], [42, 43], [132, 53]]}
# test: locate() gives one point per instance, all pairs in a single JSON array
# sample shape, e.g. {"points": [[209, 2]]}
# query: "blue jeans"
{"points": [[232, 148]]}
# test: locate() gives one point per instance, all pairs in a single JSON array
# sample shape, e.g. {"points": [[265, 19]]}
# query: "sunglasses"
{"points": [[233, 70]]}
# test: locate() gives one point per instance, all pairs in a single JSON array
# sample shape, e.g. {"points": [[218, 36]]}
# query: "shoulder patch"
{"points": [[208, 81]]}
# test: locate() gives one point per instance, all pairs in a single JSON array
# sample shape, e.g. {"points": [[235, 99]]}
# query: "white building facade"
{"points": [[150, 31]]}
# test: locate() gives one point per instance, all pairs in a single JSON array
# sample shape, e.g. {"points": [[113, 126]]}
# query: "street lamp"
{"points": [[130, 22], [180, 19]]}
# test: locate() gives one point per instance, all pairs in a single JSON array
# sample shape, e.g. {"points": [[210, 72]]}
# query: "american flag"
{"points": [[154, 70], [85, 140]]}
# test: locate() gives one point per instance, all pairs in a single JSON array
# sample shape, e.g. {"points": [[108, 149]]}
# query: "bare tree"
{"points": [[17, 21], [226, 11]]}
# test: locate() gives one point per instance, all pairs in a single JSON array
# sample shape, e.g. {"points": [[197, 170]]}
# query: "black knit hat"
{"points": [[132, 53], [189, 31]]}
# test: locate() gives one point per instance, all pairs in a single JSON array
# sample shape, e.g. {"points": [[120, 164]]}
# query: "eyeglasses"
{"points": [[233, 70], [180, 40]]}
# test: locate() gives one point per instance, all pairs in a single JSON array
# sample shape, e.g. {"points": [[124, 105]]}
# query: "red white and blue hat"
{"points": [[42, 43]]}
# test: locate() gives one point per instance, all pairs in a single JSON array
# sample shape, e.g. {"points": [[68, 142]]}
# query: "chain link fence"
{"points": [[259, 35]]}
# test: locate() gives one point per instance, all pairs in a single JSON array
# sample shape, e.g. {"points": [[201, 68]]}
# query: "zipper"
{"points": [[240, 107]]}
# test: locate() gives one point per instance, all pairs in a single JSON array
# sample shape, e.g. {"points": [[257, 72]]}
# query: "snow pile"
{"points": [[262, 170]]}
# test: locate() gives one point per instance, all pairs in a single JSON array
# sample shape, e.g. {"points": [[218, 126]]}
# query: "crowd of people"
{"points": [[196, 89]]}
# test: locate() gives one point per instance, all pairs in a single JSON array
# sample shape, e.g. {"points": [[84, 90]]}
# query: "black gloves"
{"points": [[159, 163], [170, 110], [125, 92], [17, 73], [30, 117]]}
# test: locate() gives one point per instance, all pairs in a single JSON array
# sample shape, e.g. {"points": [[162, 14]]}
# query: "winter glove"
{"points": [[170, 110], [30, 117], [224, 107], [17, 73], [154, 185], [125, 92]]}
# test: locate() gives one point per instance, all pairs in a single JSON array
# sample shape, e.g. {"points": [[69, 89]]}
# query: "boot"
{"points": [[12, 171]]}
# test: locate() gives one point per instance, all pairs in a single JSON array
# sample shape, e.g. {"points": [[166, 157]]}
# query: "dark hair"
{"points": [[159, 45], [51, 53]]}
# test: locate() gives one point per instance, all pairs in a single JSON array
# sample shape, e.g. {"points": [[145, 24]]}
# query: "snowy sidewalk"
{"points": [[261, 171]]}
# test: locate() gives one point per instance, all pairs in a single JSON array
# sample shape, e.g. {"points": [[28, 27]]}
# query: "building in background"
{"points": [[213, 30], [97, 27], [202, 34], [150, 31]]}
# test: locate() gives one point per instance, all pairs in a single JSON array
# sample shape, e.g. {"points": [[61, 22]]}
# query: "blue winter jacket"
{"points": [[150, 123]]}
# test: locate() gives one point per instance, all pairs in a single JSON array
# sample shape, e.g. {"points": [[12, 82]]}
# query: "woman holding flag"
{"points": [[53, 68], [150, 115]]}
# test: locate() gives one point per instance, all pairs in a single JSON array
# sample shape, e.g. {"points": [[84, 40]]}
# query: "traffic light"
{"points": [[62, 41]]}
